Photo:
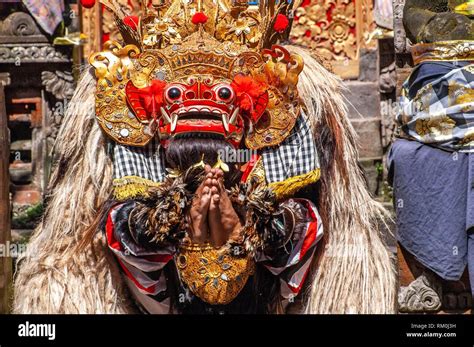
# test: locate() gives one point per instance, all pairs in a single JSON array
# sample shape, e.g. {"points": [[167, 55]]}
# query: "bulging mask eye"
{"points": [[174, 93], [225, 93]]}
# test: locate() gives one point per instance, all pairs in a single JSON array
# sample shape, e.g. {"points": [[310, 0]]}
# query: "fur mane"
{"points": [[354, 272], [51, 276]]}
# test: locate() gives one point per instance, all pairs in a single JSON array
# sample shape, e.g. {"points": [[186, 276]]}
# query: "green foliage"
{"points": [[27, 218]]}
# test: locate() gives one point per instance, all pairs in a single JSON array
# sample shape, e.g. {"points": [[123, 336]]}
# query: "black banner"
{"points": [[396, 330]]}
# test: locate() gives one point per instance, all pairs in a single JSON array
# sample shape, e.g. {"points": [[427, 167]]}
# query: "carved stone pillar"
{"points": [[5, 236], [402, 44], [41, 85]]}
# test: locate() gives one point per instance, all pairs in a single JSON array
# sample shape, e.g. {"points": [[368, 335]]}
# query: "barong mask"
{"points": [[199, 66]]}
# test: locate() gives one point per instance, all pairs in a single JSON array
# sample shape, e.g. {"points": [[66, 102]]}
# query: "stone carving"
{"points": [[422, 295], [388, 79], [19, 24], [387, 85], [31, 53], [61, 86], [58, 83], [401, 42], [437, 21]]}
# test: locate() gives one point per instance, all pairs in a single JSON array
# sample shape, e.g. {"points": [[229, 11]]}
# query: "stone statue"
{"points": [[430, 162], [438, 20]]}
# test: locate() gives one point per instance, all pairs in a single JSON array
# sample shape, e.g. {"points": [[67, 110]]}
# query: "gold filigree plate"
{"points": [[113, 69], [281, 71], [213, 275]]}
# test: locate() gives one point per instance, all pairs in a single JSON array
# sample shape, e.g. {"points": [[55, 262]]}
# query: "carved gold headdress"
{"points": [[199, 66]]}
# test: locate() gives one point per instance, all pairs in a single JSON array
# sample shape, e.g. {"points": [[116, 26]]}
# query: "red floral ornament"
{"points": [[199, 18], [252, 96], [131, 21], [281, 23], [152, 96], [146, 102], [88, 3]]}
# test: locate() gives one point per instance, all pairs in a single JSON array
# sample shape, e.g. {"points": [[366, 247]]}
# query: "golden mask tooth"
{"points": [[225, 122], [250, 128], [165, 115], [174, 122], [233, 118]]}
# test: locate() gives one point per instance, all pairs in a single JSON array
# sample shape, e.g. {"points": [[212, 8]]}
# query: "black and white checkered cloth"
{"points": [[439, 113], [145, 162], [295, 156]]}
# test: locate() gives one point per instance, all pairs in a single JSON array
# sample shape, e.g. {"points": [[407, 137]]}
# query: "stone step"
{"points": [[26, 195], [363, 99], [369, 137], [21, 145], [20, 172]]}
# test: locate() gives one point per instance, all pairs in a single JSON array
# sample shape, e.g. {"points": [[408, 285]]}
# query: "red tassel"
{"points": [[281, 23], [131, 21], [199, 18]]}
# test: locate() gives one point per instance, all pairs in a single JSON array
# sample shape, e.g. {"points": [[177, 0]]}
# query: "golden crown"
{"points": [[168, 22], [181, 56]]}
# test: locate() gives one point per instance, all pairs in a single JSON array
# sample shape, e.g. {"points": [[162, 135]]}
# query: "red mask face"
{"points": [[200, 105]]}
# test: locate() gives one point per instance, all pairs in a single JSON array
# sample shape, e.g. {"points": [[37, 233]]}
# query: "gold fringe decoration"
{"points": [[291, 185], [129, 187]]}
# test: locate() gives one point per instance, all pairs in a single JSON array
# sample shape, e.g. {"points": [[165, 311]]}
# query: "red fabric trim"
{"points": [[298, 289], [249, 167], [310, 238], [149, 290], [109, 230], [311, 233]]}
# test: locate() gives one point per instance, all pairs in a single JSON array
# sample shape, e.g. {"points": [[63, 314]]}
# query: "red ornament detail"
{"points": [[88, 3], [252, 96], [131, 21], [149, 98], [281, 23], [199, 18], [105, 37]]}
